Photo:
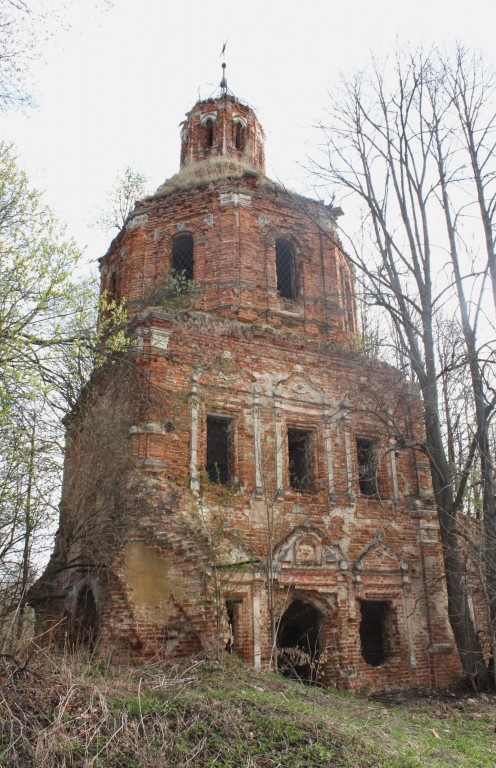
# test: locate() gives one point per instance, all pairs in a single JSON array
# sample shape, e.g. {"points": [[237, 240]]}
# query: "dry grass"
{"points": [[64, 711], [203, 173]]}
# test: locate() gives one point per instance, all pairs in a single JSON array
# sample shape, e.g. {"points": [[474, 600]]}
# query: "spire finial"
{"points": [[223, 82]]}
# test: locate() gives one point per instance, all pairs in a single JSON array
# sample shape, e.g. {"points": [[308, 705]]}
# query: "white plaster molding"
{"points": [[235, 198], [159, 338], [394, 477], [194, 480], [349, 465], [257, 651], [412, 661], [264, 220], [239, 119], [137, 221], [149, 429], [330, 470], [208, 116], [257, 437], [278, 448]]}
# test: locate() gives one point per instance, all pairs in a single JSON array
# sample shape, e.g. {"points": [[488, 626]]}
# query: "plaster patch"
{"points": [[151, 581], [137, 221]]}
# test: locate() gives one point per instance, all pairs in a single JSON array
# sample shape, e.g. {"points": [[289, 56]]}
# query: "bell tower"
{"points": [[223, 127], [254, 252]]}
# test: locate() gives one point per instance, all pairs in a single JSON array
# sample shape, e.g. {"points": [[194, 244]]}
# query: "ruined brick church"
{"points": [[244, 476]]}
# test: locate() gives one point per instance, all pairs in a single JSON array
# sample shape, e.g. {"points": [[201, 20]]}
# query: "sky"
{"points": [[114, 80]]}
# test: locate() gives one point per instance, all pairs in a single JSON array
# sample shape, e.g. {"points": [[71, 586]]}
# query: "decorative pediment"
{"points": [[208, 116], [222, 370], [306, 547], [378, 556], [295, 387]]}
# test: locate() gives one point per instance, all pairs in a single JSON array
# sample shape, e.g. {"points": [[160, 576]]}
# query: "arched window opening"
{"points": [[112, 286], [299, 641], [367, 466], [183, 257], [347, 301], [239, 136], [219, 449], [378, 631], [85, 628], [285, 269], [299, 459], [209, 132]]}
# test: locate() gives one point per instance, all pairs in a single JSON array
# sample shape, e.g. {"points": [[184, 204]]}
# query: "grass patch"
{"points": [[62, 712]]}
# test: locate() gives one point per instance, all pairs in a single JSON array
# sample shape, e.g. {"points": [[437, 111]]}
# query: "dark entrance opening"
{"points": [[233, 606], [85, 627], [298, 641], [376, 631]]}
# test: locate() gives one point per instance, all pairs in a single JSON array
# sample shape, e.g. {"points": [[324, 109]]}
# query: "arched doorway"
{"points": [[298, 641], [85, 628]]}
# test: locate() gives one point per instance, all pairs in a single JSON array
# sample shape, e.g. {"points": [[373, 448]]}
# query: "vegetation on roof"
{"points": [[198, 174]]}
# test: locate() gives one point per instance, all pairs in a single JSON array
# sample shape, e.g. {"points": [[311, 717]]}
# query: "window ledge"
{"points": [[221, 489], [288, 310], [392, 662], [310, 493]]}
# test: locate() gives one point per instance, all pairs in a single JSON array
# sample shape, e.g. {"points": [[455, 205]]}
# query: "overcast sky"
{"points": [[112, 88]]}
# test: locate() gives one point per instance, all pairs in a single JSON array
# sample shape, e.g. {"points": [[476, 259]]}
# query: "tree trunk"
{"points": [[28, 529]]}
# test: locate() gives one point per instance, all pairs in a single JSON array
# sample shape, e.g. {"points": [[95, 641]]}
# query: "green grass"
{"points": [[226, 715]]}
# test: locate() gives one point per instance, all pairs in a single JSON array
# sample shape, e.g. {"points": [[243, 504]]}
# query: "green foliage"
{"points": [[48, 347], [37, 295], [138, 705], [177, 292], [47, 316]]}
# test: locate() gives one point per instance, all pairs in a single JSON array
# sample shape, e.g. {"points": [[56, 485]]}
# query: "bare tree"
{"points": [[470, 84], [129, 187], [393, 142], [30, 477], [25, 28]]}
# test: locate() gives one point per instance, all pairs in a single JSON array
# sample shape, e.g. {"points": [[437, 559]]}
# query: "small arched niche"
{"points": [[239, 136], [85, 626], [299, 641], [209, 132], [208, 137]]}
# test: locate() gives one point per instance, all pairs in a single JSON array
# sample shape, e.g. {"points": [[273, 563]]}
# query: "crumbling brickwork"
{"points": [[246, 477]]}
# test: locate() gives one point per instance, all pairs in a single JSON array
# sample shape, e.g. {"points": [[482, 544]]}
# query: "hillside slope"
{"points": [[60, 712]]}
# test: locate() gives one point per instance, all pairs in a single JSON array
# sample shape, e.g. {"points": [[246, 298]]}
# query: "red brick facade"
{"points": [[246, 472]]}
